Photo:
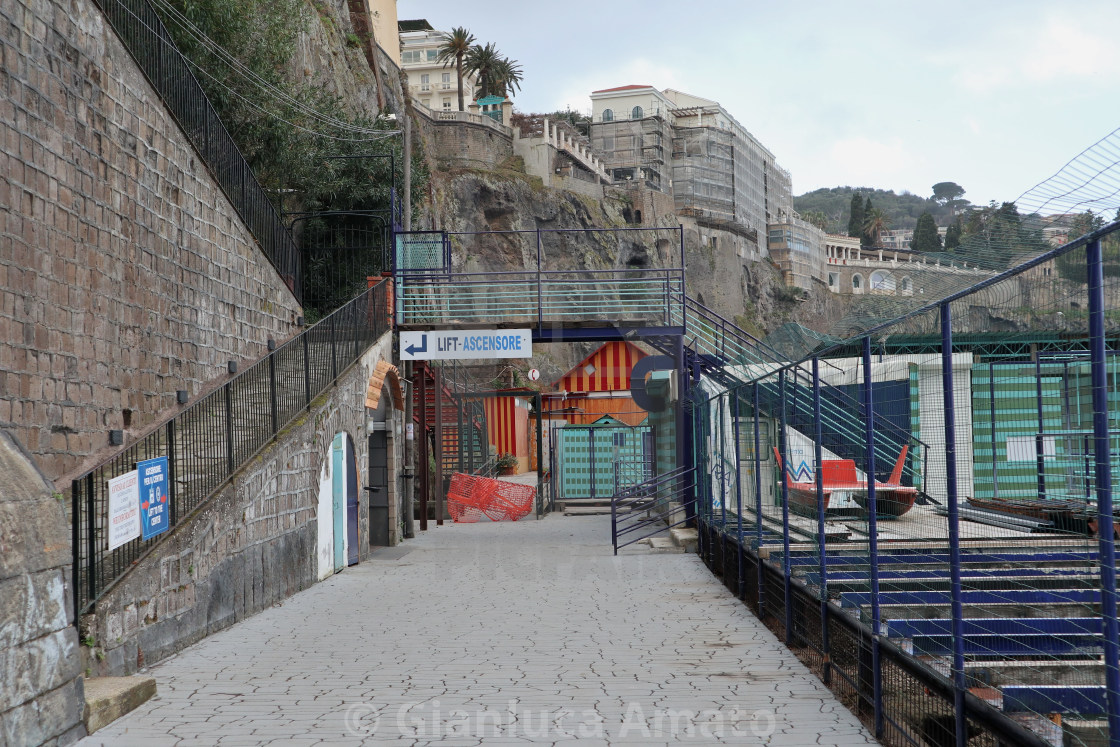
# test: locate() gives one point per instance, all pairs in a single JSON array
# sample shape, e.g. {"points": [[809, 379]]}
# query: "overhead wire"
{"points": [[244, 72]]}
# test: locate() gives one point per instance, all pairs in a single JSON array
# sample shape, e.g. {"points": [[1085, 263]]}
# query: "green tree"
{"points": [[507, 77], [946, 193], [875, 221], [484, 62], [996, 235], [817, 218], [865, 237], [926, 238], [454, 46], [855, 216], [953, 235]]}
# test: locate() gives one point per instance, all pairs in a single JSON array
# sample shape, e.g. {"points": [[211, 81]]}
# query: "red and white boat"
{"points": [[840, 478]]}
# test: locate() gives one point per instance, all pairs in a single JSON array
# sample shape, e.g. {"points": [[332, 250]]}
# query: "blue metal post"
{"points": [[818, 458], [786, 569], [735, 413], [722, 464], [957, 610], [1105, 521], [872, 537], [758, 500], [684, 440]]}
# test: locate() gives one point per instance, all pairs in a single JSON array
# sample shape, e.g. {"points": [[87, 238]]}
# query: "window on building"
{"points": [[608, 115], [636, 113], [906, 284], [411, 56], [433, 55], [425, 82], [833, 279], [447, 103], [882, 281], [445, 79], [857, 281]]}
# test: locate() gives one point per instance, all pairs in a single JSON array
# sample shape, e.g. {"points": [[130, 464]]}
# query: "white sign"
{"points": [[1025, 448], [534, 374], [465, 344], [124, 509]]}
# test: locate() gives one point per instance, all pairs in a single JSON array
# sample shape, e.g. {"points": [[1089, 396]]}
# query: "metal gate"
{"points": [[595, 461]]}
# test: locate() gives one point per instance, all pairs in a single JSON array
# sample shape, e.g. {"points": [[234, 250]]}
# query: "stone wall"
{"points": [[125, 273], [41, 699], [463, 144], [253, 544]]}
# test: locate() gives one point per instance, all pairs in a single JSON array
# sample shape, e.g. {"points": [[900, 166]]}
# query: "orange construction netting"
{"points": [[470, 498]]}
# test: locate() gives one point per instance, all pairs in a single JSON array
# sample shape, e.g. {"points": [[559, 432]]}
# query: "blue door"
{"points": [[351, 504]]}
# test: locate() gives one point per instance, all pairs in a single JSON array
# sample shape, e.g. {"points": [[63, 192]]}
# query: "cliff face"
{"points": [[506, 199], [751, 294]]}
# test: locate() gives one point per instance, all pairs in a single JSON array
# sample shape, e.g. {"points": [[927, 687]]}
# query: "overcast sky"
{"points": [[995, 95]]}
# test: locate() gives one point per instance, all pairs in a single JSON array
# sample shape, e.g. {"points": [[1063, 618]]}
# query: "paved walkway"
{"points": [[495, 633]]}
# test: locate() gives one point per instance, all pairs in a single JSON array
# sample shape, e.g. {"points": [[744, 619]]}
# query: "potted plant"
{"points": [[506, 464]]}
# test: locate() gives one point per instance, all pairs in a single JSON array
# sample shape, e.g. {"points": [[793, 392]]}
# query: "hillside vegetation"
{"points": [[902, 210]]}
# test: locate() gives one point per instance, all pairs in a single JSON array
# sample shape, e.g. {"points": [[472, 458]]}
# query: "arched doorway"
{"points": [[338, 507]]}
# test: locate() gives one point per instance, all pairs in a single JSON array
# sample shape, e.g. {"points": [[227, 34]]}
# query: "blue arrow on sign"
{"points": [[413, 350]]}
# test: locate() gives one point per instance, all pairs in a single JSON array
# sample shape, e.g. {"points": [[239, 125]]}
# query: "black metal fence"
{"points": [[148, 41], [209, 441], [916, 702]]}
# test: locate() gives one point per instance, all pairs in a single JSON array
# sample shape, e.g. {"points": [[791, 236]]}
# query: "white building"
{"points": [[431, 83], [693, 149]]}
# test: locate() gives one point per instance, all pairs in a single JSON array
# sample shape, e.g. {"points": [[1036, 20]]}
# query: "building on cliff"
{"points": [[434, 84], [718, 173]]}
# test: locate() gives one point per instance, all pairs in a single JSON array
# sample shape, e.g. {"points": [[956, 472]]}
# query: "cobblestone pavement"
{"points": [[495, 633]]}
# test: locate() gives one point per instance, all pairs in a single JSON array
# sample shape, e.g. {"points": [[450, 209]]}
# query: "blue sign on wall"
{"points": [[155, 498]]}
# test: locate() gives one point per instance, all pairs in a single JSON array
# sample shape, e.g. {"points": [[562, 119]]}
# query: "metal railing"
{"points": [[209, 441], [151, 46], [647, 509], [847, 655], [431, 287], [955, 623]]}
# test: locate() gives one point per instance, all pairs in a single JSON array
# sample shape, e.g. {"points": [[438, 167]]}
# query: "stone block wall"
{"points": [[253, 544], [125, 273], [463, 144], [41, 697]]}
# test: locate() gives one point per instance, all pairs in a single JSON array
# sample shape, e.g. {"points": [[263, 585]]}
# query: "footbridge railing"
{"points": [[207, 442], [436, 284]]}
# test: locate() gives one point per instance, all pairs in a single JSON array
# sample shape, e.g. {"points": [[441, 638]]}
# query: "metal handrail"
{"points": [[148, 42], [209, 441], [655, 497]]}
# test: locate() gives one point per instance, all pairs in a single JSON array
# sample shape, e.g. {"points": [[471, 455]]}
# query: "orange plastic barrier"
{"points": [[469, 498]]}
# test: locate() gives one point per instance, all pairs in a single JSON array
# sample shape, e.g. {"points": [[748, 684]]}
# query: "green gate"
{"points": [[595, 461]]}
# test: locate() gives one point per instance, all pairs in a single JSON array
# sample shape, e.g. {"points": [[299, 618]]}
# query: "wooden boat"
{"points": [[840, 478]]}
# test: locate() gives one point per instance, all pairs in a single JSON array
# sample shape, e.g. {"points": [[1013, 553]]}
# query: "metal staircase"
{"points": [[730, 356]]}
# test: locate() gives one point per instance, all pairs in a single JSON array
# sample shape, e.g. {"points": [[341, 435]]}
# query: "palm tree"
{"points": [[483, 62], [875, 221], [507, 77], [455, 47]]}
